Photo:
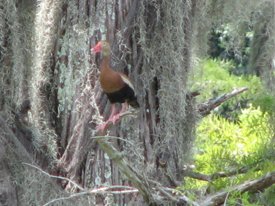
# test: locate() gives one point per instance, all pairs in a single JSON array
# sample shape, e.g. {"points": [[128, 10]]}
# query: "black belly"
{"points": [[125, 94]]}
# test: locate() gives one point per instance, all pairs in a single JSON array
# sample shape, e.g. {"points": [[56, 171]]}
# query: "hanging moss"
{"points": [[45, 57]]}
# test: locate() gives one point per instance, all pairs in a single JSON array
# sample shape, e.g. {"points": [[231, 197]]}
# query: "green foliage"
{"points": [[266, 102], [214, 78], [225, 45], [236, 198], [224, 146], [268, 197]]}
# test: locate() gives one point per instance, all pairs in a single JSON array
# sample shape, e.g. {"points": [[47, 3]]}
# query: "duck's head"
{"points": [[103, 47]]}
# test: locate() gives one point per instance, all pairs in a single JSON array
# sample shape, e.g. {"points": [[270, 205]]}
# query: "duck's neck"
{"points": [[105, 64]]}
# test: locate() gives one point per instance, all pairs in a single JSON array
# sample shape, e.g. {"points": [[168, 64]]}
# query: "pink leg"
{"points": [[114, 116], [113, 112], [123, 109], [103, 126], [117, 116]]}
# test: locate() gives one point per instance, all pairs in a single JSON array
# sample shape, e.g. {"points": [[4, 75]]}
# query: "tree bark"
{"points": [[8, 194], [53, 101], [65, 99]]}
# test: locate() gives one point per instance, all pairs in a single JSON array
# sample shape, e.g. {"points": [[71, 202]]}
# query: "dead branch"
{"points": [[54, 176], [209, 178], [179, 198], [163, 192], [116, 189], [249, 186], [66, 198], [119, 189], [121, 139], [125, 168], [242, 170], [206, 107], [121, 163]]}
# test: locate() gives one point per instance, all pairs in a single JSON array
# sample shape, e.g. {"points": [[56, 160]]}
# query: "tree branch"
{"points": [[114, 189], [54, 176], [249, 186], [206, 107], [125, 168], [67, 198], [168, 193], [121, 163], [199, 176]]}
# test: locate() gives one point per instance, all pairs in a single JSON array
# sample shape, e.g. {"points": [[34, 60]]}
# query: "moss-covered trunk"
{"points": [[261, 60], [53, 101]]}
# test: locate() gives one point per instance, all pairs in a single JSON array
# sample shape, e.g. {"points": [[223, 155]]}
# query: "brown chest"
{"points": [[110, 81]]}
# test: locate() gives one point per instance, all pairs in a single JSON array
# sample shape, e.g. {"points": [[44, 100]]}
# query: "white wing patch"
{"points": [[127, 81]]}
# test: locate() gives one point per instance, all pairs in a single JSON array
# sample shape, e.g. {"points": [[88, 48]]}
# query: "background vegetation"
{"points": [[238, 136]]}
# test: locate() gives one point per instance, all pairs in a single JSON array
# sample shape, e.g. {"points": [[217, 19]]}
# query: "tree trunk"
{"points": [[51, 100], [261, 60], [51, 96]]}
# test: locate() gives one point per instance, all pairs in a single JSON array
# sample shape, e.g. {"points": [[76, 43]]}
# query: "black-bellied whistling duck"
{"points": [[117, 86]]}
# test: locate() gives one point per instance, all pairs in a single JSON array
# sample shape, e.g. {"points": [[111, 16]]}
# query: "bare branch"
{"points": [[66, 198], [179, 198], [125, 168], [121, 139], [231, 173], [219, 198], [249, 186], [199, 176], [109, 189], [116, 189], [101, 190], [54, 176], [205, 108]]}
